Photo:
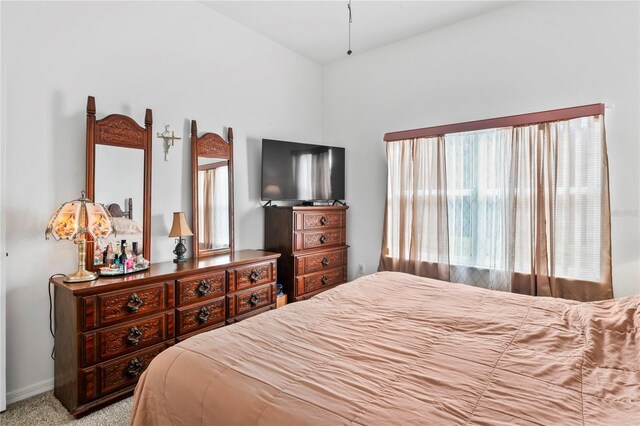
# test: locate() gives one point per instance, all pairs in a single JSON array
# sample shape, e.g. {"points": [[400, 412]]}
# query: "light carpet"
{"points": [[45, 409]]}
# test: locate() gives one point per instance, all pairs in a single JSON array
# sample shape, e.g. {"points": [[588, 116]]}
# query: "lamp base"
{"points": [[80, 276], [179, 251]]}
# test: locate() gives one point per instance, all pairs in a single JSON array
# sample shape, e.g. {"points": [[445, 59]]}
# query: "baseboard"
{"points": [[29, 391]]}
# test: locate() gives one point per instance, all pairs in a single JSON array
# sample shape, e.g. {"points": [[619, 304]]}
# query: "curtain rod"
{"points": [[491, 123]]}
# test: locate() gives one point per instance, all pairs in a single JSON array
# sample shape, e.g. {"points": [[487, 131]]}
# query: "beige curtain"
{"points": [[415, 238], [562, 228], [214, 214], [534, 218], [208, 231]]}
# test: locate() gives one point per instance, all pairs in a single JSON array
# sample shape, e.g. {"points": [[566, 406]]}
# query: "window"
{"points": [[529, 199], [476, 200]]}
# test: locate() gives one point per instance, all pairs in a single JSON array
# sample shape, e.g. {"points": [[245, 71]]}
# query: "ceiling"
{"points": [[318, 29]]}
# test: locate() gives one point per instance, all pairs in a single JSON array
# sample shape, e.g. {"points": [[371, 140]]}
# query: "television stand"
{"points": [[335, 202]]}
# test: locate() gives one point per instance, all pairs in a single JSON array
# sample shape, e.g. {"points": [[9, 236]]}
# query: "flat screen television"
{"points": [[301, 172]]}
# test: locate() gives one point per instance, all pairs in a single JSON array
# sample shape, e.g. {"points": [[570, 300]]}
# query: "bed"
{"points": [[392, 348]]}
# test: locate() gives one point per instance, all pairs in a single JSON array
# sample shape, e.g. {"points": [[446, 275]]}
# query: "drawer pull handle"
{"points": [[325, 280], [134, 303], [254, 276], [134, 336], [134, 368], [203, 315], [204, 288], [323, 220], [325, 261], [323, 239], [254, 299]]}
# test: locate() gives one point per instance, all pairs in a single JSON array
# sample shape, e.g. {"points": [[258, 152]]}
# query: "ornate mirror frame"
{"points": [[120, 131], [210, 145]]}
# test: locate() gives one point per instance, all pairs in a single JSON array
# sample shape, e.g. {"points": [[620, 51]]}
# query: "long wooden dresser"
{"points": [[107, 331], [312, 241]]}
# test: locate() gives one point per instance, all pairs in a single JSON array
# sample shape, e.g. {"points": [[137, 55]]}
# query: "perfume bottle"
{"points": [[123, 253], [110, 255], [116, 260], [116, 255], [97, 254]]}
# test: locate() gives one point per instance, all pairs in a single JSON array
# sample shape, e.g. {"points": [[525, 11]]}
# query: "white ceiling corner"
{"points": [[318, 29]]}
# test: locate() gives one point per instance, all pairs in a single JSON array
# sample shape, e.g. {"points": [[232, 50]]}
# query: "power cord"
{"points": [[51, 330]]}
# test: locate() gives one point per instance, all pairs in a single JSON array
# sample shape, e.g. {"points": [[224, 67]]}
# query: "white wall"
{"points": [[523, 58], [185, 62]]}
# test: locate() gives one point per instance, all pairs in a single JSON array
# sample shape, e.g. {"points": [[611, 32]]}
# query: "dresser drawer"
{"points": [[251, 276], [184, 337], [200, 288], [318, 220], [112, 341], [310, 240], [249, 300], [117, 306], [327, 259], [116, 374], [312, 282], [250, 314], [198, 316]]}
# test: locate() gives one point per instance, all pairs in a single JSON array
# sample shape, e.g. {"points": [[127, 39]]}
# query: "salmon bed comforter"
{"points": [[392, 348]]}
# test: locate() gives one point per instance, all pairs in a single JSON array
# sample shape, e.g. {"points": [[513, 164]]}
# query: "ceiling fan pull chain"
{"points": [[350, 21]]}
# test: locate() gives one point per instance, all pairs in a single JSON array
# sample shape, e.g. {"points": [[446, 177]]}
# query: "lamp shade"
{"points": [[72, 221], [77, 217], [180, 227]]}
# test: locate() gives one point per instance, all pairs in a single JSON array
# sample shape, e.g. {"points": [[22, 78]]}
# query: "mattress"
{"points": [[392, 348]]}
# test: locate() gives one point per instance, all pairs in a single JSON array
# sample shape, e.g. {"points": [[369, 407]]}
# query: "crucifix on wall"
{"points": [[169, 138]]}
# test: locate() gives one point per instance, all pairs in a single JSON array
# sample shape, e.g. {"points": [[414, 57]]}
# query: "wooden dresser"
{"points": [[312, 241], [107, 331]]}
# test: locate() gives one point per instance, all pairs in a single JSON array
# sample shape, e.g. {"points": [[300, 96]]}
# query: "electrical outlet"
{"points": [[361, 269]]}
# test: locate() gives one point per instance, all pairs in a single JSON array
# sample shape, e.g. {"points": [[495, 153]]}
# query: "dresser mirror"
{"points": [[119, 176], [212, 177]]}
